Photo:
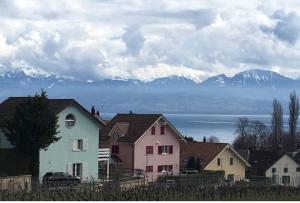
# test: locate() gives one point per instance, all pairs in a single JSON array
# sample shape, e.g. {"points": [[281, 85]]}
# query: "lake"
{"points": [[200, 125]]}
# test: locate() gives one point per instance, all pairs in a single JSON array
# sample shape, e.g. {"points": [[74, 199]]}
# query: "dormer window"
{"points": [[70, 121]]}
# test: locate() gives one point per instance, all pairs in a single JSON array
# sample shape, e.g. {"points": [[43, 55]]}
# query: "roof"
{"points": [[56, 105], [205, 151], [262, 160], [132, 126]]}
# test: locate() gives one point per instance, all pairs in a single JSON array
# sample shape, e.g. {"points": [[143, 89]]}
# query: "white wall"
{"points": [[285, 162]]}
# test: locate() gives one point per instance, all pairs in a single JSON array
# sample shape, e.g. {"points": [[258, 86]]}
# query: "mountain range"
{"points": [[248, 92]]}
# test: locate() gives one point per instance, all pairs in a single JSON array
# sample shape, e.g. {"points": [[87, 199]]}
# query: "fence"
{"points": [[16, 183]]}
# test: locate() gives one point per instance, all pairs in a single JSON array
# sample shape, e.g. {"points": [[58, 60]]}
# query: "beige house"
{"points": [[215, 157]]}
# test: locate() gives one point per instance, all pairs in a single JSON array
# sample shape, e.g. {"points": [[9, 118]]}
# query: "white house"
{"points": [[77, 150], [285, 171]]}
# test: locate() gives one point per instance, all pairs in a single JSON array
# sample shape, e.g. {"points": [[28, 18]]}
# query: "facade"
{"points": [[146, 142], [215, 157], [77, 150], [285, 171]]}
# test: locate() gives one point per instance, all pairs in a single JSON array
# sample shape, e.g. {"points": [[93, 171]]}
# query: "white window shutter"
{"points": [[84, 171], [85, 144], [70, 168], [74, 145]]}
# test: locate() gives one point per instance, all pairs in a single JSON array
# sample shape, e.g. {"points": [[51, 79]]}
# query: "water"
{"points": [[200, 125]]}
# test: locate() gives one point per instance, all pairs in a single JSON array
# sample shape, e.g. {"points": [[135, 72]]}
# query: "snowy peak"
{"points": [[257, 77], [250, 78], [218, 80]]}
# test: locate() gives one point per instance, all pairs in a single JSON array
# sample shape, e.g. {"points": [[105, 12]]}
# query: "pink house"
{"points": [[143, 141]]}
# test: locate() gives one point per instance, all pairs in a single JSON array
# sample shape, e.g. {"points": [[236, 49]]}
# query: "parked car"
{"points": [[60, 179], [170, 184]]}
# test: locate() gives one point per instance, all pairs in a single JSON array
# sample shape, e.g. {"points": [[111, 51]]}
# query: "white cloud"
{"points": [[147, 39]]}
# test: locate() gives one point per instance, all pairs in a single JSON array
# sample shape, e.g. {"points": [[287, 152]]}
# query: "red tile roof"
{"points": [[138, 124], [205, 151]]}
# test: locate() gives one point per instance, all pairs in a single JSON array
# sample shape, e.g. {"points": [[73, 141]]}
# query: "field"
{"points": [[160, 192]]}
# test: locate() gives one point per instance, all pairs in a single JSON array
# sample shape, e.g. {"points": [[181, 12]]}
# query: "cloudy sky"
{"points": [[148, 39]]}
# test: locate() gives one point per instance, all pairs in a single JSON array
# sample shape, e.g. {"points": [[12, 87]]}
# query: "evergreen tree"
{"points": [[191, 163], [293, 118], [93, 111], [277, 125], [198, 164], [32, 127]]}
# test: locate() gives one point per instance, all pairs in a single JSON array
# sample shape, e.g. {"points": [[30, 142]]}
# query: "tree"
{"points": [[293, 118], [191, 164], [189, 139], [258, 134], [213, 139], [204, 139], [277, 125], [198, 164], [93, 111], [32, 127], [241, 131]]}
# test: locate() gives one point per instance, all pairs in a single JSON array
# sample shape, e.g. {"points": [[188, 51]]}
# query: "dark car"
{"points": [[60, 179]]}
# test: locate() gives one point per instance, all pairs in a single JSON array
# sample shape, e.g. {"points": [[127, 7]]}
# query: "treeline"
{"points": [[255, 134]]}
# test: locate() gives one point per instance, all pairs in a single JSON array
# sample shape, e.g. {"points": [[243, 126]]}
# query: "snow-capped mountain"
{"points": [[218, 94], [251, 78]]}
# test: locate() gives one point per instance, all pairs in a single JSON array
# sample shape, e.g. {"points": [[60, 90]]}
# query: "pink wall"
{"points": [[155, 159]]}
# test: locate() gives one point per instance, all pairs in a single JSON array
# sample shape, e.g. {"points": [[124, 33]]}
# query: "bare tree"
{"points": [[241, 131], [258, 133], [277, 125], [251, 134], [293, 118], [213, 139]]}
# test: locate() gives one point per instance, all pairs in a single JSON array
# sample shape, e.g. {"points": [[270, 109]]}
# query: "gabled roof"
{"points": [[261, 160], [8, 107], [280, 157], [205, 151], [132, 126]]}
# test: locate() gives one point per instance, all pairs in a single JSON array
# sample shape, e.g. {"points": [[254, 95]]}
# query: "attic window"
{"points": [[70, 121]]}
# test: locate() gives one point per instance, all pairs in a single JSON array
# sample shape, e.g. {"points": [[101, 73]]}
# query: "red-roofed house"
{"points": [[215, 157], [143, 141]]}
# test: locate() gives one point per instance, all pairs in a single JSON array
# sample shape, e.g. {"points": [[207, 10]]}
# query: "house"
{"points": [[215, 157], [280, 167], [148, 142], [77, 150]]}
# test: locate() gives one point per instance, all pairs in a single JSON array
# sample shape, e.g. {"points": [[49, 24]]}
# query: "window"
{"points": [[165, 168], [149, 168], [153, 130], [77, 169], [219, 162], [165, 149], [162, 130], [80, 144], [115, 149], [286, 170], [231, 161], [70, 121], [273, 170], [298, 169], [149, 149], [286, 180]]}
